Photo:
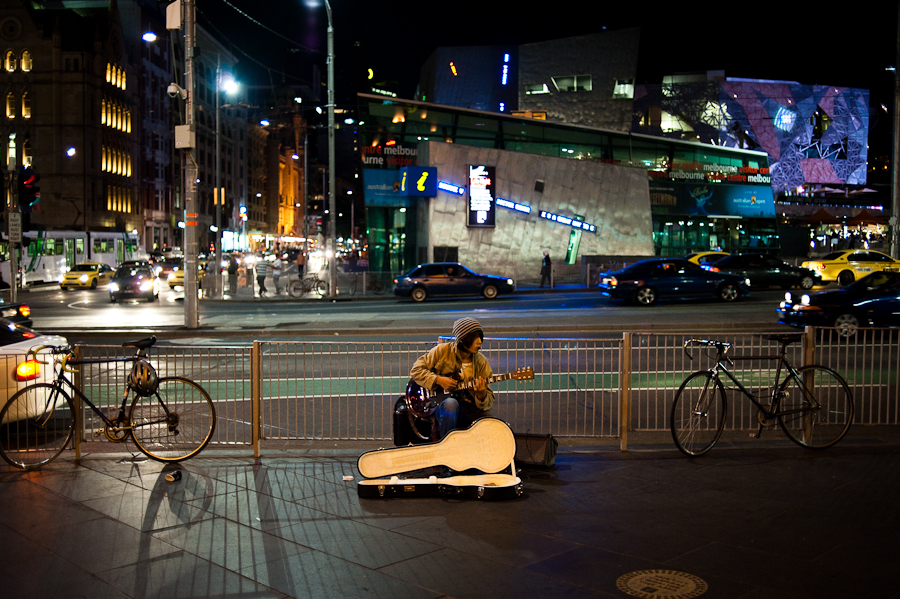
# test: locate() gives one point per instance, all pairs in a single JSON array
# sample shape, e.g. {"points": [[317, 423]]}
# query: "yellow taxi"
{"points": [[704, 259], [176, 278], [87, 275], [846, 266]]}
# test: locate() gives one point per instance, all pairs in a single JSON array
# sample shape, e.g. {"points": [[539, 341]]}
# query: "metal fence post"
{"points": [[809, 345], [78, 381], [255, 396], [624, 390]]}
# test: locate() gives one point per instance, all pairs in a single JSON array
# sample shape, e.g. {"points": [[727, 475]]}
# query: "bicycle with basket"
{"points": [[812, 404], [170, 418]]}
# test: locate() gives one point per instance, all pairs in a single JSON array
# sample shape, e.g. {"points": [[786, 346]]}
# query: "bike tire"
{"points": [[698, 414], [36, 424], [354, 284], [321, 288], [823, 403], [296, 289], [174, 423], [378, 287]]}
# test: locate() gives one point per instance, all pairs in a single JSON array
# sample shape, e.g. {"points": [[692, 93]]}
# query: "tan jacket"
{"points": [[443, 360]]}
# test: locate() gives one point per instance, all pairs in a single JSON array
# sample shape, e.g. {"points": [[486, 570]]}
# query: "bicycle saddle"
{"points": [[784, 338], [142, 343]]}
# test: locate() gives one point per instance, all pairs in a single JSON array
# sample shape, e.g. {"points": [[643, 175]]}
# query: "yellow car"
{"points": [[705, 258], [846, 266], [176, 279], [87, 275]]}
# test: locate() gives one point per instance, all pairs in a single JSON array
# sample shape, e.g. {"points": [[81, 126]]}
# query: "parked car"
{"points": [[650, 280], [705, 258], [845, 266], [134, 281], [17, 313], [86, 275], [22, 369], [874, 301], [176, 278], [449, 278], [766, 271]]}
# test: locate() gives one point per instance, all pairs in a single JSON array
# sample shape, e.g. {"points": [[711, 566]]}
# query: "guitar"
{"points": [[422, 402]]}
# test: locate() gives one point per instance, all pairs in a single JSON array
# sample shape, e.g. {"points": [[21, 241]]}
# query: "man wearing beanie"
{"points": [[448, 365]]}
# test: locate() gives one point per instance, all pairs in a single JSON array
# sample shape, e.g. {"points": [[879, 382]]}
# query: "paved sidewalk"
{"points": [[746, 521]]}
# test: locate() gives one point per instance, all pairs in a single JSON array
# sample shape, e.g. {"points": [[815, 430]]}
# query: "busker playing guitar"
{"points": [[451, 365]]}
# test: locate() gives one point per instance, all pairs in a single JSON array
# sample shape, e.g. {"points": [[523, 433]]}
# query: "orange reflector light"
{"points": [[24, 310], [28, 370]]}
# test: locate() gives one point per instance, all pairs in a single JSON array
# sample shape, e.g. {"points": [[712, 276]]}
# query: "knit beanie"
{"points": [[464, 327]]}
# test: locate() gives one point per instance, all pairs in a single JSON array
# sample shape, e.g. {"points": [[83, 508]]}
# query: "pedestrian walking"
{"points": [[545, 268], [232, 274], [276, 273], [262, 271]]}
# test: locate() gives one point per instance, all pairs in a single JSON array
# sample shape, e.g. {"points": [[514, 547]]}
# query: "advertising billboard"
{"points": [[482, 198]]}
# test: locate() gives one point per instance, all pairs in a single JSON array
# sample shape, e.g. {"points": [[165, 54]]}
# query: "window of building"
{"points": [[536, 88], [574, 83], [10, 63], [26, 61], [10, 106], [624, 89], [26, 106]]}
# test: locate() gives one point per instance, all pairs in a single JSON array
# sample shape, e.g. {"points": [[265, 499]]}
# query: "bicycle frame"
{"points": [[783, 363], [62, 379]]}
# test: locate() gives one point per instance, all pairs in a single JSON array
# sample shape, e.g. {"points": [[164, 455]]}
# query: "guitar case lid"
{"points": [[488, 445]]}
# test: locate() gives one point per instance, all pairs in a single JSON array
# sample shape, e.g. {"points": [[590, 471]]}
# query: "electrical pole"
{"points": [[895, 159], [191, 281], [13, 220]]}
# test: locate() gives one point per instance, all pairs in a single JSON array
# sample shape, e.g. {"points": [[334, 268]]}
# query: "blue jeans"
{"points": [[453, 414]]}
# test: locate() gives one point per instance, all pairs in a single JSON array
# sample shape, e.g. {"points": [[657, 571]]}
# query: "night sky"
{"points": [[849, 45]]}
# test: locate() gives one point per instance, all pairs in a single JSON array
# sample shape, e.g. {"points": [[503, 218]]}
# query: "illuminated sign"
{"points": [[481, 196], [575, 223], [449, 187], [418, 181], [784, 118]]}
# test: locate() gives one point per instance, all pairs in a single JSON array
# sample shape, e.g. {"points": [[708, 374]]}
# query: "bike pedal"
{"points": [[98, 432]]}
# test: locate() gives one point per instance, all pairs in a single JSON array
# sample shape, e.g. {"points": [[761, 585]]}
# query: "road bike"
{"points": [[171, 418], [308, 284], [812, 405]]}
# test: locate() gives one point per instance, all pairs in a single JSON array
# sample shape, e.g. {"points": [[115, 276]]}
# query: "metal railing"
{"points": [[275, 394]]}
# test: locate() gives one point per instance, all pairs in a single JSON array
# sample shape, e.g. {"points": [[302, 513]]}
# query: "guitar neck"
{"points": [[493, 379]]}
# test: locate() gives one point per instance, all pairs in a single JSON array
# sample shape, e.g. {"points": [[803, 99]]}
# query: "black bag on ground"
{"points": [[535, 450], [403, 432]]}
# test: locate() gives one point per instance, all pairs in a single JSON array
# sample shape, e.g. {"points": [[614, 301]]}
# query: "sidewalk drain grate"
{"points": [[656, 584]]}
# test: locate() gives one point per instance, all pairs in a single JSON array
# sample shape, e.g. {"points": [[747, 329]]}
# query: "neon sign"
{"points": [[481, 196]]}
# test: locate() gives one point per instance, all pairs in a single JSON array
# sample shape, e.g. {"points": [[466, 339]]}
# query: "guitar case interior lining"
{"points": [[488, 446]]}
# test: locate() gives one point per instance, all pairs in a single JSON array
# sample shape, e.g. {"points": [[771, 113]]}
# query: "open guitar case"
{"points": [[487, 446]]}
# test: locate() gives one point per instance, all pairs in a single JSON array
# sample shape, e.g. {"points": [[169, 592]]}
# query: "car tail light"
{"points": [[711, 268], [815, 266], [24, 311], [28, 370], [396, 281]]}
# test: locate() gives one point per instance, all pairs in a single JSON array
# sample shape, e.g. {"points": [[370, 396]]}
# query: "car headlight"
{"points": [[510, 282], [83, 278], [804, 299], [747, 282], [146, 285], [113, 286], [171, 277], [788, 298]]}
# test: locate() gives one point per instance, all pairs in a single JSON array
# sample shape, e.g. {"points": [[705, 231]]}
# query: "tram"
{"points": [[47, 255]]}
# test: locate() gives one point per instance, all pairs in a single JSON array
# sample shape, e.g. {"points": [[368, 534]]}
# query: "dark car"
{"points": [[766, 271], [449, 278], [133, 281], [648, 281], [874, 301]]}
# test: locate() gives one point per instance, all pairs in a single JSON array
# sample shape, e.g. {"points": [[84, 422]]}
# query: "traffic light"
{"points": [[29, 192]]}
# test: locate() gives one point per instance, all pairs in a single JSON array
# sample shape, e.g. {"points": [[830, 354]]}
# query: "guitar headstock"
{"points": [[523, 374]]}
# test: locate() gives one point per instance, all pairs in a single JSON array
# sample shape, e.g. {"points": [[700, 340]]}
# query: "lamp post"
{"points": [[228, 85], [332, 208]]}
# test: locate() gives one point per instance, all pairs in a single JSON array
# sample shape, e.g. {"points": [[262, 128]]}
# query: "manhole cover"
{"points": [[661, 584]]}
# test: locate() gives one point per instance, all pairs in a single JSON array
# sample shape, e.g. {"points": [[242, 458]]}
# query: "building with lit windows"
{"points": [[71, 102], [506, 188]]}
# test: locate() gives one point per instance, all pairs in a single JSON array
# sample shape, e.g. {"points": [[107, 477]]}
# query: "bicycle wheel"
{"points": [[36, 424], [174, 423], [321, 287], [816, 408], [378, 286], [296, 289], [698, 413], [354, 283]]}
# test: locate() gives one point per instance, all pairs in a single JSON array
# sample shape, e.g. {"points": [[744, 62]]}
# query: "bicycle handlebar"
{"points": [[722, 347]]}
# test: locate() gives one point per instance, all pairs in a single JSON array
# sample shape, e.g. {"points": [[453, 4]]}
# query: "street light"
{"points": [[332, 220], [224, 82]]}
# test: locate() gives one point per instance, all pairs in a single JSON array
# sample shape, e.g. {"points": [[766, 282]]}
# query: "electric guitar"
{"points": [[422, 402]]}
